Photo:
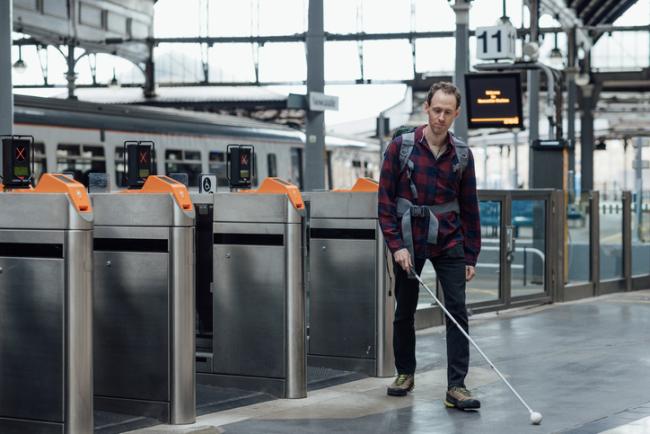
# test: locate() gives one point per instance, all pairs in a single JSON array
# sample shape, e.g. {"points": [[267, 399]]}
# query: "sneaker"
{"points": [[403, 384], [461, 398]]}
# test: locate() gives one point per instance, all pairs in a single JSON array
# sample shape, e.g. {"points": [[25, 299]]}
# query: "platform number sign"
{"points": [[496, 42]]}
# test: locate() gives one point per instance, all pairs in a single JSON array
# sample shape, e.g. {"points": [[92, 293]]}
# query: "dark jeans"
{"points": [[450, 269]]}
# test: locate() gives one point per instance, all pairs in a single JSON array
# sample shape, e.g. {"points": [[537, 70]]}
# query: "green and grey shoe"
{"points": [[403, 384], [461, 398]]}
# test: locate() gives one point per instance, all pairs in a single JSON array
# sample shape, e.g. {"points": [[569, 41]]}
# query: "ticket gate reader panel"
{"points": [[32, 338], [253, 279], [142, 323], [342, 288]]}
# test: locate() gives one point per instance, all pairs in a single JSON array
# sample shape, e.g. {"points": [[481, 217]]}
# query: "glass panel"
{"points": [[40, 161], [529, 257], [193, 171], [190, 165], [217, 166], [119, 167], [611, 236], [272, 165], [578, 265], [80, 161], [296, 167], [485, 286], [641, 234]]}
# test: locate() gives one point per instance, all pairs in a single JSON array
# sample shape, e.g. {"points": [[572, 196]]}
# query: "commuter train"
{"points": [[80, 138]]}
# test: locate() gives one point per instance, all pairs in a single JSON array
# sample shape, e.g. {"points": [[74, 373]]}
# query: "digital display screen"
{"points": [[143, 173], [493, 100], [21, 171], [244, 174]]}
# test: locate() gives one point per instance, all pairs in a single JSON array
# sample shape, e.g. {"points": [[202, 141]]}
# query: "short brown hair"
{"points": [[445, 87]]}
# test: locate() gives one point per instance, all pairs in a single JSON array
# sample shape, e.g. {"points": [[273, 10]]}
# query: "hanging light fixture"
{"points": [[20, 66], [555, 56], [113, 84]]}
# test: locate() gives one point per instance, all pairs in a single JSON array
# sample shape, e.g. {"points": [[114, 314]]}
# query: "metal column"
{"points": [[571, 102], [315, 129], [6, 97], [638, 184], [461, 8], [533, 82], [587, 138]]}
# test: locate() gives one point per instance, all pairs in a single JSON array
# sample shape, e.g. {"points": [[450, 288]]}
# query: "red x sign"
{"points": [[143, 157], [20, 154], [244, 159]]}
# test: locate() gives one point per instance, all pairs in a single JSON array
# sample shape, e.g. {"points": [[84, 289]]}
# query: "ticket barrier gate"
{"points": [[258, 301], [350, 301], [144, 301], [46, 343]]}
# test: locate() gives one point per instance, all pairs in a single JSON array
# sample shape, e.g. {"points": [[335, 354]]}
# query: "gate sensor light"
{"points": [[139, 162], [17, 161]]}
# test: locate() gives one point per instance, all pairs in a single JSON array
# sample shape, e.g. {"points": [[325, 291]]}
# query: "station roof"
{"points": [[595, 12]]}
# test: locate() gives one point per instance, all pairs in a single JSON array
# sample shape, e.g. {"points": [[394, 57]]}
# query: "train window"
{"points": [[193, 155], [80, 160], [272, 165], [356, 163], [40, 161], [217, 166], [189, 162]]}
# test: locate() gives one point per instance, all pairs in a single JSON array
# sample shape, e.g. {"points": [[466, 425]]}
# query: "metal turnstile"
{"points": [[144, 301], [350, 300], [46, 308], [258, 299]]}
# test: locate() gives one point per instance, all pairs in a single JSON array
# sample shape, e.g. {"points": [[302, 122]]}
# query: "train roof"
{"points": [[79, 114]]}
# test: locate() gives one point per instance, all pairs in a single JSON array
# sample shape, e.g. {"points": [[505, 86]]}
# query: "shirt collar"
{"points": [[419, 137]]}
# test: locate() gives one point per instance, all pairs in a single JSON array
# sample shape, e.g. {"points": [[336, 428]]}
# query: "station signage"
{"points": [[496, 42], [493, 100], [321, 102]]}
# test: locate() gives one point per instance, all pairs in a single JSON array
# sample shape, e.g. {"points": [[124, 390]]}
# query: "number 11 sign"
{"points": [[496, 42]]}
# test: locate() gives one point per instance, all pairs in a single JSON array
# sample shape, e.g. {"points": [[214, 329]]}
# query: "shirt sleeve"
{"points": [[387, 200], [469, 213]]}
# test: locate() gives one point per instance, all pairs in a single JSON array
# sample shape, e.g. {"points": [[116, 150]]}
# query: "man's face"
{"points": [[442, 111]]}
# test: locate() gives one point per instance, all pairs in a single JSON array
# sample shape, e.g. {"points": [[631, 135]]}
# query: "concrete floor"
{"points": [[584, 365]]}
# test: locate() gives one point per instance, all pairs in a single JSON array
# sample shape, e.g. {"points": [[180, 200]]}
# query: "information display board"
{"points": [[493, 100]]}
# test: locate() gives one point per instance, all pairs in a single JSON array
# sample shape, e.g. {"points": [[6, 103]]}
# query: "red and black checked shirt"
{"points": [[436, 183]]}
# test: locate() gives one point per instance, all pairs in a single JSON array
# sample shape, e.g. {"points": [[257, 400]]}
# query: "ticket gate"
{"points": [[46, 308], [144, 301], [257, 294], [350, 301]]}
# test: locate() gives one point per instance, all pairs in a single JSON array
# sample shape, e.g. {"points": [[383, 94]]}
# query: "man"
{"points": [[428, 209]]}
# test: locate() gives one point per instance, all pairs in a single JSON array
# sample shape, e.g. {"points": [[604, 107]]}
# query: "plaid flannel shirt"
{"points": [[437, 182]]}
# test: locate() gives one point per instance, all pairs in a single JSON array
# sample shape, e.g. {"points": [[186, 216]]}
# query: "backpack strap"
{"points": [[462, 151], [405, 163]]}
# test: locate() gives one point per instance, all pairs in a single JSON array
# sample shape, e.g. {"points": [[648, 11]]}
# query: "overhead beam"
{"points": [[609, 15], [331, 37]]}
